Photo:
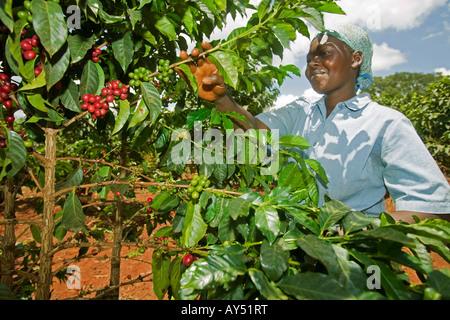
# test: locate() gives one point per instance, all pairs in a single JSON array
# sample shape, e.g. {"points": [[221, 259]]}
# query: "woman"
{"points": [[366, 149]]}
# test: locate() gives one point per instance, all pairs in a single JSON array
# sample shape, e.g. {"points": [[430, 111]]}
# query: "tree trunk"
{"points": [[46, 259], [9, 240], [115, 256]]}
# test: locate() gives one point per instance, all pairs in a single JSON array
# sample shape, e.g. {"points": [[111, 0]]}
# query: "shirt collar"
{"points": [[356, 103]]}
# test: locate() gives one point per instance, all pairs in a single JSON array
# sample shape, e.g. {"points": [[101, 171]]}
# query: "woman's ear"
{"points": [[357, 61]]}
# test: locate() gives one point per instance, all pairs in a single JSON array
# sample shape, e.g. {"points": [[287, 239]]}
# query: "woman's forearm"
{"points": [[407, 216]]}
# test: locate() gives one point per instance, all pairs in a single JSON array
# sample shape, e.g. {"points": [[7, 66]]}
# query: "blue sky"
{"points": [[408, 36]]}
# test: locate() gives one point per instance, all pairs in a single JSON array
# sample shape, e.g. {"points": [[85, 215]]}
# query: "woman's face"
{"points": [[331, 66]]}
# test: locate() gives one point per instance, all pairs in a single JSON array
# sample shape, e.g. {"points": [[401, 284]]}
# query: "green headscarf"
{"points": [[357, 39]]}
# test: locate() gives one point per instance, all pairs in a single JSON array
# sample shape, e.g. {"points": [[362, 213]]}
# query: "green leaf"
{"points": [[164, 202], [135, 16], [291, 68], [261, 50], [303, 219], [166, 28], [315, 18], [387, 233], [392, 283], [197, 115], [321, 250], [226, 230], [123, 50], [139, 114], [227, 69], [90, 79], [330, 213], [436, 246], [274, 259], [12, 50], [36, 233], [37, 101], [16, 152], [268, 221], [6, 14], [164, 231], [79, 46], [175, 276], [350, 275], [109, 18], [315, 165], [192, 81], [291, 141], [37, 82], [439, 280], [238, 207], [355, 221], [426, 230], [194, 228], [73, 218], [263, 7], [124, 113], [56, 66], [290, 176], [49, 24], [285, 32], [267, 288], [160, 270], [70, 97], [188, 20], [330, 7], [217, 269], [152, 100], [73, 179], [314, 286]]}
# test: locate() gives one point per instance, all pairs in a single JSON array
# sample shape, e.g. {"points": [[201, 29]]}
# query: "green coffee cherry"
{"points": [[197, 185]]}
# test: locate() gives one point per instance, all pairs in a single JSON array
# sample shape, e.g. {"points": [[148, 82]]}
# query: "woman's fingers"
{"points": [[212, 80]]}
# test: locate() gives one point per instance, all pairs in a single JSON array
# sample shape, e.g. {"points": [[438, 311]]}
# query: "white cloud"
{"points": [[283, 100], [384, 14], [443, 71], [311, 95], [384, 57], [297, 52]]}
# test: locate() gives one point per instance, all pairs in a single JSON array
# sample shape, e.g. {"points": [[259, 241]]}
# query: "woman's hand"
{"points": [[211, 85]]}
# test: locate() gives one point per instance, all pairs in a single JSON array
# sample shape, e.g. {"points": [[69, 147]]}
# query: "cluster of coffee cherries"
{"points": [[95, 52], [95, 105], [163, 239], [164, 70], [5, 89], [26, 14], [29, 46], [198, 183], [115, 89], [139, 75]]}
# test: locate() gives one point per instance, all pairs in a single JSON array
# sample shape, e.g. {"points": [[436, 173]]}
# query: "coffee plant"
{"points": [[93, 112]]}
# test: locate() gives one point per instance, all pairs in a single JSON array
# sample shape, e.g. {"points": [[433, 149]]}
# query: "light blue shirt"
{"points": [[366, 149]]}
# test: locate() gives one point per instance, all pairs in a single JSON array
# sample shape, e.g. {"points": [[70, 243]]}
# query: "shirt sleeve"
{"points": [[282, 119], [410, 173]]}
